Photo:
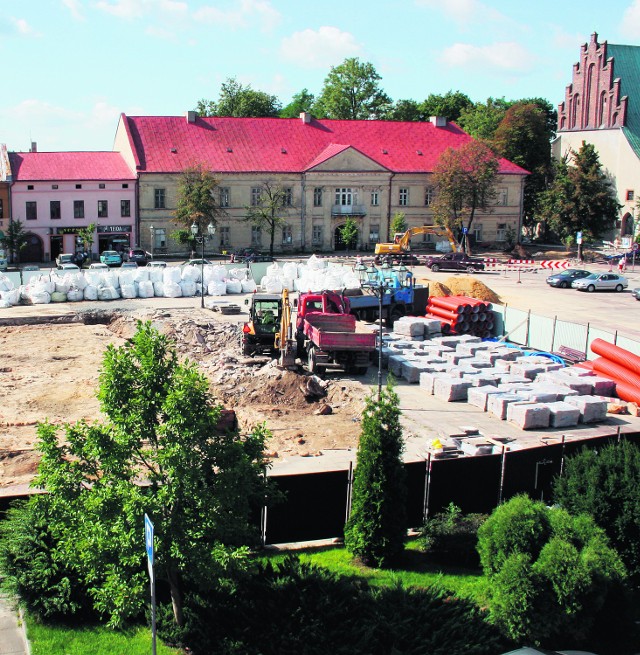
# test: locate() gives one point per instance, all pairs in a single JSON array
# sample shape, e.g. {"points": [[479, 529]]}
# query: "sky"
{"points": [[71, 67]]}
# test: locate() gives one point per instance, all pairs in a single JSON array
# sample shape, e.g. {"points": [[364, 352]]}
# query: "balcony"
{"points": [[348, 210]]}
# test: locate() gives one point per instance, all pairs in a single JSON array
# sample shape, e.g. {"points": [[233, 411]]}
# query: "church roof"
{"points": [[169, 144], [626, 66]]}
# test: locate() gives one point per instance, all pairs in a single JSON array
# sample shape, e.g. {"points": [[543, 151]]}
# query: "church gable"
{"points": [[593, 99]]}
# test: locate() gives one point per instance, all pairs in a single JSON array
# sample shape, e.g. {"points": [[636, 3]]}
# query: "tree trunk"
{"points": [[176, 594]]}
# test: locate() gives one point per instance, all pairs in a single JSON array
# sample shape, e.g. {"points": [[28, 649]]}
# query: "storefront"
{"points": [[114, 237]]}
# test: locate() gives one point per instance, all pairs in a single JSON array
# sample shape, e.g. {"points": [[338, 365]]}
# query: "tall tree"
{"points": [[349, 233], [523, 138], [465, 181], [406, 110], [16, 238], [398, 223], [300, 102], [270, 209], [161, 452], [580, 198], [351, 92], [239, 100], [376, 530], [481, 120], [451, 105], [87, 236]]}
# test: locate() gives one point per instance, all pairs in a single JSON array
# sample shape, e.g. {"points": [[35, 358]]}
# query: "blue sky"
{"points": [[72, 66]]}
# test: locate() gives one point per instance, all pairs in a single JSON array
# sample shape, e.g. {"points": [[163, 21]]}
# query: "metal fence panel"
{"points": [[596, 333], [498, 320], [628, 344], [541, 333], [531, 471], [570, 335], [515, 325]]}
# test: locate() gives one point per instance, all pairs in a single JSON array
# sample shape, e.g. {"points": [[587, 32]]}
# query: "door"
{"points": [[340, 243], [33, 250]]}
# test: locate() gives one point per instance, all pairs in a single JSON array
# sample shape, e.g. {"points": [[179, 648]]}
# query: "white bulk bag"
{"points": [[191, 273], [272, 284], [78, 281], [234, 286], [188, 288], [75, 295], [315, 264], [39, 297], [128, 290], [110, 279], [217, 288], [172, 290], [290, 270], [158, 289], [62, 286], [12, 296], [93, 277], [4, 304], [212, 273], [248, 286], [108, 293], [145, 289], [155, 275], [141, 275], [5, 283], [126, 277], [274, 271], [172, 274], [90, 292]]}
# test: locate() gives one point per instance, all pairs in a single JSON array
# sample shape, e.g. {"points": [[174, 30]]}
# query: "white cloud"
{"points": [[467, 13], [509, 57], [631, 20], [241, 15], [23, 28], [74, 7], [40, 111], [319, 48], [131, 9]]}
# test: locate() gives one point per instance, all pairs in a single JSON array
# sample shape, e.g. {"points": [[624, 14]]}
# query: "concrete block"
{"points": [[529, 417], [450, 389], [557, 390], [591, 409], [478, 396], [455, 357], [481, 380], [451, 341], [527, 369], [602, 386], [409, 326], [430, 348], [404, 344], [498, 403], [563, 415], [463, 369], [395, 364], [510, 378], [479, 363], [503, 365], [427, 380], [578, 371], [411, 369], [506, 353], [537, 396]]}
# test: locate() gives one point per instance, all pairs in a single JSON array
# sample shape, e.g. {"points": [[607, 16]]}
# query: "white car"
{"points": [[601, 282], [98, 265], [68, 268], [156, 263]]}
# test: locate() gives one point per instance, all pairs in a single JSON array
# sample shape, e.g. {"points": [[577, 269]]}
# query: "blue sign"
{"points": [[148, 538], [465, 230]]}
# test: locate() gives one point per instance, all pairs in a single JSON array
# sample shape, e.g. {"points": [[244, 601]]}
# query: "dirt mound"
{"points": [[438, 290], [471, 287]]}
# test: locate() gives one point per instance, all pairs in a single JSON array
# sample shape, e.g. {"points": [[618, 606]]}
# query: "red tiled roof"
{"points": [[38, 166], [169, 144]]}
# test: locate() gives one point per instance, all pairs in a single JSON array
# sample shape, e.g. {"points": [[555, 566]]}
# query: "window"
{"points": [[287, 235], [501, 232], [316, 235], [287, 199], [103, 209], [317, 197], [374, 233], [125, 208], [344, 197], [403, 196], [101, 185], [54, 186], [32, 210], [1, 208], [78, 208], [428, 196], [125, 185], [160, 238], [78, 186], [256, 192], [375, 198], [29, 187], [224, 197], [630, 195], [225, 239], [256, 235], [502, 196], [54, 209], [477, 232], [158, 199]]}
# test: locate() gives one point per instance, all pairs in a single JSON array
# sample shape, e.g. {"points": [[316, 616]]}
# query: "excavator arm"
{"points": [[403, 243], [283, 340]]}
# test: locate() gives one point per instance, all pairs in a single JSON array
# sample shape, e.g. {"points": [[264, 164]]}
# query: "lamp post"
{"points": [[152, 230], [202, 238], [377, 283]]}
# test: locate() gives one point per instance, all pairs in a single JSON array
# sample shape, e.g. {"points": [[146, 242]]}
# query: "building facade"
{"points": [[57, 194], [5, 190], [329, 169], [602, 107]]}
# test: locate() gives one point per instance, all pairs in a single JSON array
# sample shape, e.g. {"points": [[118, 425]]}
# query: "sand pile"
{"points": [[462, 285]]}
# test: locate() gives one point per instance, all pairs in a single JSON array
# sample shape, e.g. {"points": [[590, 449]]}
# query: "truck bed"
{"points": [[332, 332]]}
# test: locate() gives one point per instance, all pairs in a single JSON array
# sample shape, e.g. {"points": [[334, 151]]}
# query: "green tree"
{"points": [[580, 198], [300, 102], [349, 233], [16, 239], [87, 236], [406, 110], [398, 223], [238, 100], [376, 530], [270, 209], [548, 572], [523, 138], [351, 92], [465, 181], [196, 202], [481, 120], [604, 483], [160, 451], [451, 105]]}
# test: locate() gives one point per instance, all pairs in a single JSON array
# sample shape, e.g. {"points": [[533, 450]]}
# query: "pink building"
{"points": [[56, 194]]}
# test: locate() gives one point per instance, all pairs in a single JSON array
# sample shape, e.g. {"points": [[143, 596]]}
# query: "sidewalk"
{"points": [[12, 636]]}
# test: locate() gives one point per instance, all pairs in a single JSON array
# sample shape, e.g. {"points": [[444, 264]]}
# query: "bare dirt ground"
{"points": [[50, 372]]}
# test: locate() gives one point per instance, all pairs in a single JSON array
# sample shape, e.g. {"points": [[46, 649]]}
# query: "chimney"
{"points": [[305, 117], [191, 116], [438, 121], [34, 147]]}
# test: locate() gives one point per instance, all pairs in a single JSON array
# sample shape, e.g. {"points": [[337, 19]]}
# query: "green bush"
{"points": [[451, 537], [549, 573]]}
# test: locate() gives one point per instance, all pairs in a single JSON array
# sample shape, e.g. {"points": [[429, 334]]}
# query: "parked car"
{"points": [[196, 262], [156, 263], [30, 267], [111, 258], [65, 258], [68, 268], [636, 293], [455, 261], [129, 265], [98, 265], [250, 255], [564, 279], [139, 256], [601, 282]]}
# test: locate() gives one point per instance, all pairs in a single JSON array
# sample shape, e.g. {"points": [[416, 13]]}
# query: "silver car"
{"points": [[601, 282]]}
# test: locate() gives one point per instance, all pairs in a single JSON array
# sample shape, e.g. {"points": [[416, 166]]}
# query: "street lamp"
{"points": [[152, 230], [201, 238], [379, 285]]}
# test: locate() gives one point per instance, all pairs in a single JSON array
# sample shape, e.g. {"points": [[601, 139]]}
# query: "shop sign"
{"points": [[67, 230], [105, 229]]}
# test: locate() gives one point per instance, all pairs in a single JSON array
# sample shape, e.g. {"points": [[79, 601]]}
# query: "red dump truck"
{"points": [[326, 334]]}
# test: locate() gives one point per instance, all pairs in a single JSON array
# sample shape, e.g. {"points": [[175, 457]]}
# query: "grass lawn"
{"points": [[415, 571], [95, 640]]}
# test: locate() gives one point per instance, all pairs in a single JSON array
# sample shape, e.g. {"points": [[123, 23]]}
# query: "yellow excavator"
{"points": [[284, 342], [401, 241]]}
